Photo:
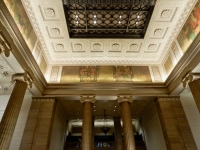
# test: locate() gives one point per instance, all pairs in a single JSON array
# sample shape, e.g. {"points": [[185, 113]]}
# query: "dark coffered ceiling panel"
{"points": [[108, 19]]}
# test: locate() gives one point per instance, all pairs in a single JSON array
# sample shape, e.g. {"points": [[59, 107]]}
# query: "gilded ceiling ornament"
{"points": [[166, 13], [158, 32], [133, 46], [55, 31], [152, 46], [115, 46], [78, 46], [97, 46], [60, 46], [50, 12]]}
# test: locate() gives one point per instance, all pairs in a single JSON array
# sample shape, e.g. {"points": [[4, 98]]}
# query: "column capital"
{"points": [[189, 77], [124, 98], [25, 77], [4, 45], [87, 99]]}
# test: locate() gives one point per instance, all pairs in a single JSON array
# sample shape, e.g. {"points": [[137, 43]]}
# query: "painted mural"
{"points": [[190, 30], [22, 21], [105, 74]]}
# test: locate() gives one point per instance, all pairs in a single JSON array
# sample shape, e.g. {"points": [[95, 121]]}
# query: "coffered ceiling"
{"points": [[48, 20]]}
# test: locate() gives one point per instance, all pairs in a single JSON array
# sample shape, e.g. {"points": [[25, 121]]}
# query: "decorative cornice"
{"points": [[124, 98], [4, 45], [189, 77], [87, 99], [25, 77]]}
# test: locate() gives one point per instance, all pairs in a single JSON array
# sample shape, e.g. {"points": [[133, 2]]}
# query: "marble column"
{"points": [[118, 133], [129, 140], [10, 116], [193, 80], [175, 127], [87, 122]]}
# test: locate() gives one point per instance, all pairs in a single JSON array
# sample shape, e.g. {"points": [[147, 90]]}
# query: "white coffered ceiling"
{"points": [[48, 20]]}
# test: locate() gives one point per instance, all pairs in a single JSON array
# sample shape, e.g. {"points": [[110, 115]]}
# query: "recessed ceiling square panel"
{"points": [[108, 18]]}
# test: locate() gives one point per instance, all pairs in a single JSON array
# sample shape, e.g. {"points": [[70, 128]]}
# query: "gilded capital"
{"points": [[124, 98], [189, 77], [4, 45], [87, 99], [25, 77]]}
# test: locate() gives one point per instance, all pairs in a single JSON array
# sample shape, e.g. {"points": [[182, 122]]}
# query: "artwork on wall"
{"points": [[43, 65], [22, 21], [191, 29], [105, 74], [88, 74]]}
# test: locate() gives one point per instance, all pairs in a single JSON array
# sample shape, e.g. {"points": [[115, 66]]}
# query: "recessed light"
{"points": [[114, 110], [115, 106], [95, 21], [95, 16], [138, 16], [76, 16], [77, 22], [94, 110], [120, 16], [94, 106], [119, 22], [136, 22]]}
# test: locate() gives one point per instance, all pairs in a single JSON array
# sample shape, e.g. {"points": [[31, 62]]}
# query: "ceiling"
{"points": [[48, 20]]}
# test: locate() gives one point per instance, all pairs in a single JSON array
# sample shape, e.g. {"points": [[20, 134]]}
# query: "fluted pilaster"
{"points": [[129, 140], [176, 130], [11, 113], [87, 122]]}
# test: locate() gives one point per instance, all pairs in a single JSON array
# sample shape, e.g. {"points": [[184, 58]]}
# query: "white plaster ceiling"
{"points": [[48, 20]]}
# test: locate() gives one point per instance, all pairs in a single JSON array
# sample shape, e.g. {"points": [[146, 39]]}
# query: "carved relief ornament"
{"points": [[25, 77], [87, 99], [189, 77], [124, 98], [4, 45]]}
